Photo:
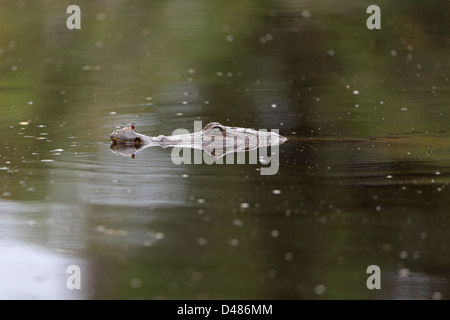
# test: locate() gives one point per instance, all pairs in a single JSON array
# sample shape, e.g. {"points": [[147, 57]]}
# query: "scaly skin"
{"points": [[215, 139]]}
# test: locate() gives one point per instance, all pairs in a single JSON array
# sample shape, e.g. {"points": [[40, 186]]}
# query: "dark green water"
{"points": [[370, 188]]}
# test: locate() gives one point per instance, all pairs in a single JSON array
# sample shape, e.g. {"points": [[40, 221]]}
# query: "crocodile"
{"points": [[215, 139]]}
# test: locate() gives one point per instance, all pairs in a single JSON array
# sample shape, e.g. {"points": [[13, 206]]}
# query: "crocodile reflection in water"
{"points": [[215, 139]]}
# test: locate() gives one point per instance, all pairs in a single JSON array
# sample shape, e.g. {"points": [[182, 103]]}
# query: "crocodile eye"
{"points": [[218, 128], [137, 140]]}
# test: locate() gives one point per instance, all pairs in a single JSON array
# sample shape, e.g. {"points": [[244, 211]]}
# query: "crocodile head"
{"points": [[126, 135]]}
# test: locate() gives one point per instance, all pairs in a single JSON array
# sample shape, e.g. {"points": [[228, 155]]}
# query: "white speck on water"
{"points": [[201, 201], [238, 223], [90, 68], [244, 205], [234, 242], [356, 105], [47, 160], [101, 16], [403, 254], [30, 102], [159, 236], [288, 256], [378, 208], [320, 289], [179, 113], [389, 176], [436, 295], [355, 92], [202, 241], [330, 53], [229, 38], [276, 191], [438, 173], [404, 109], [135, 283], [191, 71], [219, 73], [275, 233], [403, 272], [273, 105], [14, 68], [306, 14], [100, 228], [197, 276], [184, 102], [184, 176], [393, 53]]}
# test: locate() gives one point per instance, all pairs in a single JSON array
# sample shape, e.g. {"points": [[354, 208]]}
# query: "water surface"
{"points": [[362, 179]]}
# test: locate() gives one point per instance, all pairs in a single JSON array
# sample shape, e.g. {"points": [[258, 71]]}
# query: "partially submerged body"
{"points": [[215, 139]]}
